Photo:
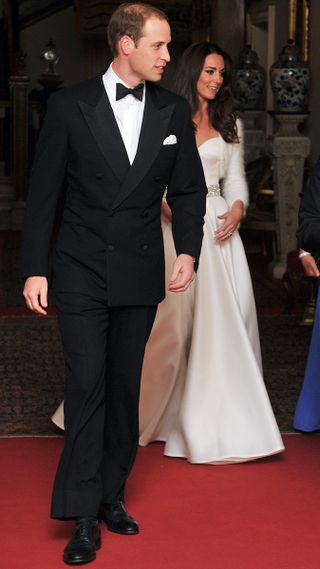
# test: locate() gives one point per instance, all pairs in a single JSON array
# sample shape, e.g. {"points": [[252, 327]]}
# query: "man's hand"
{"points": [[35, 293], [182, 274]]}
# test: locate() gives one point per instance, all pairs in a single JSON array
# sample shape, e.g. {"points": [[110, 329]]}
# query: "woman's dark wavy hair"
{"points": [[221, 110]]}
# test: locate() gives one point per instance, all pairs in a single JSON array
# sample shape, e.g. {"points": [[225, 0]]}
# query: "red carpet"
{"points": [[262, 515]]}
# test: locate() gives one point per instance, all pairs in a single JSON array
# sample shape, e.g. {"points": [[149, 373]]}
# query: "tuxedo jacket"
{"points": [[110, 238], [309, 214]]}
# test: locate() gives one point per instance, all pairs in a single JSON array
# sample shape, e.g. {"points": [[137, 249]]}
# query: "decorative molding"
{"points": [[288, 124], [32, 11], [290, 146], [93, 17]]}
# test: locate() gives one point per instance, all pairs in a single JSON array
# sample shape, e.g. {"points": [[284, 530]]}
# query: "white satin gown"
{"points": [[202, 388]]}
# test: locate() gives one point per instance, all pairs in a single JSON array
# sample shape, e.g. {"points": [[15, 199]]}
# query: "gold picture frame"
{"points": [[299, 16]]}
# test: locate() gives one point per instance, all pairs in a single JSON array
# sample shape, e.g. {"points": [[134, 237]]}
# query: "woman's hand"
{"points": [[231, 219], [309, 265]]}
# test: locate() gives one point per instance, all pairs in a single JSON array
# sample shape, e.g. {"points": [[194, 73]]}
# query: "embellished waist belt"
{"points": [[214, 190]]}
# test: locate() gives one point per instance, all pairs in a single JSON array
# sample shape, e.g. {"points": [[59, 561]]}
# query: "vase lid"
{"points": [[289, 56], [248, 57]]}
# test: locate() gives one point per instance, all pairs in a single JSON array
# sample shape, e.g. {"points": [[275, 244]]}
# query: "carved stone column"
{"points": [[289, 150], [19, 100], [254, 135], [6, 183]]}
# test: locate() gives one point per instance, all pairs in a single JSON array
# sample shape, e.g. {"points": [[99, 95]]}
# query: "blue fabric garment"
{"points": [[307, 414]]}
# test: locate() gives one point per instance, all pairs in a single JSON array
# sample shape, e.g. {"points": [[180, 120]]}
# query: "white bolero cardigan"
{"points": [[232, 174]]}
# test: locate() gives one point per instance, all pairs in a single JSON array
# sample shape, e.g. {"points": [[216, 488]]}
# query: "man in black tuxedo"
{"points": [[309, 215], [116, 142]]}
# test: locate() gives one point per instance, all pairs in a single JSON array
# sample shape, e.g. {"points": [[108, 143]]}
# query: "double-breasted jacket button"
{"points": [[158, 178], [110, 248], [99, 176], [144, 247]]}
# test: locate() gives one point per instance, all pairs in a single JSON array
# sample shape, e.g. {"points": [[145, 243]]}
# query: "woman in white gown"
{"points": [[202, 388]]}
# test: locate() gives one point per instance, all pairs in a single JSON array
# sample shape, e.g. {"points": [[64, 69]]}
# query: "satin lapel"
{"points": [[153, 132], [104, 128]]}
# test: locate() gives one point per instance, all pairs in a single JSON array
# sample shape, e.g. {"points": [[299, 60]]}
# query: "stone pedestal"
{"points": [[289, 150], [254, 136]]}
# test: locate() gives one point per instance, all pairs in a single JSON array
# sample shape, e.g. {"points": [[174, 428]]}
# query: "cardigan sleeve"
{"points": [[234, 181]]}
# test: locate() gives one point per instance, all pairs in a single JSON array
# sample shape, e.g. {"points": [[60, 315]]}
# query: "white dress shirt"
{"points": [[128, 112]]}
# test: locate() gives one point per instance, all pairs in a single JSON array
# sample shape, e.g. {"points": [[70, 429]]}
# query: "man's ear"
{"points": [[126, 45]]}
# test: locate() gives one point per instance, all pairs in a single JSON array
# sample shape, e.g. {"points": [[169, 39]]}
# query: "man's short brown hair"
{"points": [[129, 20]]}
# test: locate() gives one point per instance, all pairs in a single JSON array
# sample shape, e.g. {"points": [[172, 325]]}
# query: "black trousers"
{"points": [[103, 350]]}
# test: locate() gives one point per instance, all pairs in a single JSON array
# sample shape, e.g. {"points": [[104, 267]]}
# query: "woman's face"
{"points": [[211, 77]]}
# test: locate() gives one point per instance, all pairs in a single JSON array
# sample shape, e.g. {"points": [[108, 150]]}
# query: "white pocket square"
{"points": [[171, 139]]}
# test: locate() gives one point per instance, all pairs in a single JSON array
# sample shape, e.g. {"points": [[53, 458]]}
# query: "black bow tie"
{"points": [[123, 91]]}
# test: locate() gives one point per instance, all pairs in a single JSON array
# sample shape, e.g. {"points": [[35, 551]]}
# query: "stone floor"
{"points": [[31, 362]]}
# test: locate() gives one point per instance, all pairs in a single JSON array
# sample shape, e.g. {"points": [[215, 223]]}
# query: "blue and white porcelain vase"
{"points": [[290, 78], [249, 80]]}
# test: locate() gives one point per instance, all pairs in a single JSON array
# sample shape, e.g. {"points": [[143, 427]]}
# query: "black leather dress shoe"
{"points": [[86, 539], [117, 519]]}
